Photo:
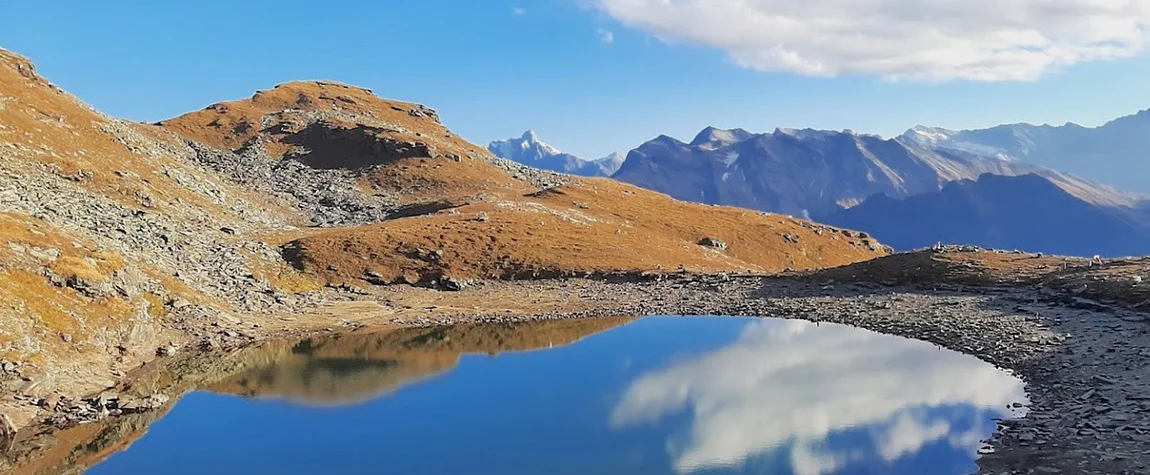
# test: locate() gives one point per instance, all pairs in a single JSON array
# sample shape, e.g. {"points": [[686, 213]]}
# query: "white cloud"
{"points": [[606, 36], [518, 11], [982, 40], [789, 386]]}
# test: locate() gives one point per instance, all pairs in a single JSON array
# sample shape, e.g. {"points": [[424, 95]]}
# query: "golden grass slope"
{"points": [[588, 226]]}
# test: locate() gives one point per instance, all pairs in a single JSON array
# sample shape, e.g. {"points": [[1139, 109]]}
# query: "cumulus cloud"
{"points": [[518, 11], [789, 386], [982, 40], [606, 36]]}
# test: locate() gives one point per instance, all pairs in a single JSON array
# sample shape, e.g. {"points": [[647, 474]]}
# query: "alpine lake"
{"points": [[636, 396]]}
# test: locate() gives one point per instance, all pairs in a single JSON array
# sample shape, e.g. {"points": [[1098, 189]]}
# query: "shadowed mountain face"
{"points": [[1024, 212], [810, 172], [1116, 153], [529, 150]]}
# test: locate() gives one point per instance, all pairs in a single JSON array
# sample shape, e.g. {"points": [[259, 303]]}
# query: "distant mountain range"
{"points": [[529, 150], [814, 173], [1037, 188], [1116, 153], [1019, 212]]}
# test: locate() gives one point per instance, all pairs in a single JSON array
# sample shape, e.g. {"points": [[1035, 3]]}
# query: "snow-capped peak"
{"points": [[716, 137], [529, 150], [529, 141], [928, 135]]}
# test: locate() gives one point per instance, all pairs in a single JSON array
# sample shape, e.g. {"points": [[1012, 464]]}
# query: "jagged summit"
{"points": [[529, 150], [720, 137], [928, 134], [526, 149], [530, 137], [667, 139], [806, 133]]}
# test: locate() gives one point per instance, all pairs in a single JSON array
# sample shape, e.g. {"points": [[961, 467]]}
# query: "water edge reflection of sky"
{"points": [[659, 395]]}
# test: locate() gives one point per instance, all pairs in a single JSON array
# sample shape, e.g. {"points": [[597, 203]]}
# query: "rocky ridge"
{"points": [[815, 173], [1106, 153]]}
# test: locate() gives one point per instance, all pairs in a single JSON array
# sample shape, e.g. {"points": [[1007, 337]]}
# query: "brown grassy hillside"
{"points": [[588, 226]]}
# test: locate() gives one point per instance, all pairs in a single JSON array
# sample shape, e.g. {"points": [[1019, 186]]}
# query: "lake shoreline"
{"points": [[1080, 362]]}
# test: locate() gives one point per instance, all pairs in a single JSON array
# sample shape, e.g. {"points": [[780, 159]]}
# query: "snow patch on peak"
{"points": [[946, 139], [807, 134], [928, 135], [720, 137], [730, 159]]}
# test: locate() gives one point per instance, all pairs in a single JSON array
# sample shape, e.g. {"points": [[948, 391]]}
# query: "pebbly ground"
{"points": [[1084, 363]]}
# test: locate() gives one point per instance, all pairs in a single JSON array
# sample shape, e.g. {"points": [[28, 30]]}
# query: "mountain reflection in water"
{"points": [[348, 369], [693, 395]]}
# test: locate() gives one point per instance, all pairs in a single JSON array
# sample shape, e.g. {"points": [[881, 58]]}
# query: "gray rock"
{"points": [[712, 243], [7, 433]]}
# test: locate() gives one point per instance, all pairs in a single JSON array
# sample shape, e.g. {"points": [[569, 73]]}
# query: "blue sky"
{"points": [[494, 68]]}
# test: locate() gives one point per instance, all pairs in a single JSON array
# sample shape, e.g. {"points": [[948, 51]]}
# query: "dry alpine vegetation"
{"points": [[130, 252]]}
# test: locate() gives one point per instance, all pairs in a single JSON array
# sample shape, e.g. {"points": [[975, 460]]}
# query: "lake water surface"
{"points": [[658, 395]]}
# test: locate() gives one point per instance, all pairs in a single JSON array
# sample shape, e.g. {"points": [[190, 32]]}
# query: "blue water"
{"points": [[660, 395]]}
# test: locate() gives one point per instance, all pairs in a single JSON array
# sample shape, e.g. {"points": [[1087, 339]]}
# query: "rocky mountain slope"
{"points": [[529, 150], [115, 241], [813, 173], [123, 241], [1115, 153], [1025, 212]]}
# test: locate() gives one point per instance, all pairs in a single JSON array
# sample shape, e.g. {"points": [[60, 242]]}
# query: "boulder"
{"points": [[712, 243]]}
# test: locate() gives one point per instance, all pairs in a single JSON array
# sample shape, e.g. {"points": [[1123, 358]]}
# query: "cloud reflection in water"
{"points": [[793, 386]]}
